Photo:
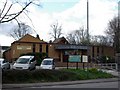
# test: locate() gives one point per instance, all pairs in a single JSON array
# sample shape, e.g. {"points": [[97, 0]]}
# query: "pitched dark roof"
{"points": [[61, 40]]}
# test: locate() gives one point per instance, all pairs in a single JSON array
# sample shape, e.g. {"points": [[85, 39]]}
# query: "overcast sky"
{"points": [[70, 13]]}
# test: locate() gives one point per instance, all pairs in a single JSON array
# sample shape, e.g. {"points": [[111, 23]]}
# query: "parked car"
{"points": [[48, 63], [25, 63], [4, 64]]}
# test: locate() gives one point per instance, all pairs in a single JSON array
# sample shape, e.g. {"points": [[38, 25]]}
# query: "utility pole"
{"points": [[0, 71], [118, 39], [118, 31], [0, 51], [87, 22], [87, 31], [88, 38]]}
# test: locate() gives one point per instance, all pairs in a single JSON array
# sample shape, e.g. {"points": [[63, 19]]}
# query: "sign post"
{"points": [[67, 63], [76, 65], [75, 58], [84, 60]]}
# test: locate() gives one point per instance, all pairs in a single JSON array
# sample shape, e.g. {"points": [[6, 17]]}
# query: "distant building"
{"points": [[3, 49], [60, 49], [26, 44]]}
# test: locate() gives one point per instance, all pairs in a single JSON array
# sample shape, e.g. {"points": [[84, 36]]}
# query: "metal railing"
{"points": [[110, 66]]}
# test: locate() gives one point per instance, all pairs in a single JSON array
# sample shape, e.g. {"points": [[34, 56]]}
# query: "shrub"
{"points": [[41, 75], [93, 70], [103, 59]]}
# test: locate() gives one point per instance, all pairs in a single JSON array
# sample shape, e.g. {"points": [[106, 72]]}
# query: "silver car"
{"points": [[48, 63], [4, 64], [25, 63]]}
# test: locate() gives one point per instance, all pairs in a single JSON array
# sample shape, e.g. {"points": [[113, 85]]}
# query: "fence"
{"points": [[110, 66]]}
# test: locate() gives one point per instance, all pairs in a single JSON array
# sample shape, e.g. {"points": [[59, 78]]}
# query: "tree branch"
{"points": [[17, 14], [6, 13], [17, 22], [3, 8], [13, 14]]}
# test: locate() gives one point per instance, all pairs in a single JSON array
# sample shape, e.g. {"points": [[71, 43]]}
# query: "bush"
{"points": [[11, 76], [93, 70], [40, 75], [25, 76], [94, 74], [103, 59]]}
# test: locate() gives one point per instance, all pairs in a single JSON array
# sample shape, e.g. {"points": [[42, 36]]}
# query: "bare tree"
{"points": [[20, 30], [71, 38], [113, 31], [100, 40], [78, 37], [56, 30], [7, 7]]}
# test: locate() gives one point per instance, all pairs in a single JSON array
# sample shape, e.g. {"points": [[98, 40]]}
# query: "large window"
{"points": [[40, 48], [93, 51], [98, 51], [33, 48], [47, 49]]}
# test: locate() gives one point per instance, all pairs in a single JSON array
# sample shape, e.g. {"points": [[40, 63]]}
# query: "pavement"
{"points": [[115, 73]]}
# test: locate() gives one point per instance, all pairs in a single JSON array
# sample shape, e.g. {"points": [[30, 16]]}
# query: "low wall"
{"points": [[80, 65]]}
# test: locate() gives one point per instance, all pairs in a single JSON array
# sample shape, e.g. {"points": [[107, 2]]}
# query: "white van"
{"points": [[48, 63], [25, 62]]}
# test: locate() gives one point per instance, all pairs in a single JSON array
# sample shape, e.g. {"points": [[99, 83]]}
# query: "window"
{"points": [[102, 50], [97, 51], [23, 60], [40, 48], [33, 59], [47, 49], [93, 51], [47, 62], [33, 48]]}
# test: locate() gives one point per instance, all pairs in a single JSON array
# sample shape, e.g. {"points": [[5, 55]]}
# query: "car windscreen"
{"points": [[47, 62], [23, 60]]}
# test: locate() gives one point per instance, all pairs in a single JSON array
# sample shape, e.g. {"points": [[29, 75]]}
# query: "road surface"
{"points": [[112, 85]]}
